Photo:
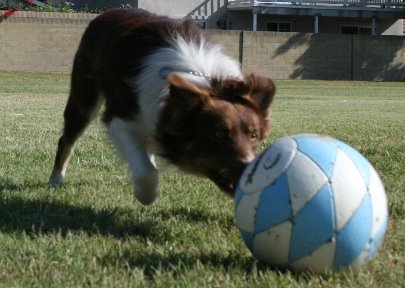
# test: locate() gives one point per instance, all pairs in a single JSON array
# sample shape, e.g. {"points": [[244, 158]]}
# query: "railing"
{"points": [[207, 8], [351, 3]]}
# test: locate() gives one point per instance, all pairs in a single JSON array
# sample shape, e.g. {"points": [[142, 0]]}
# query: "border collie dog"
{"points": [[167, 91]]}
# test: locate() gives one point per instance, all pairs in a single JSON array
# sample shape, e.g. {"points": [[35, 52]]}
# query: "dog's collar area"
{"points": [[165, 71], [194, 73]]}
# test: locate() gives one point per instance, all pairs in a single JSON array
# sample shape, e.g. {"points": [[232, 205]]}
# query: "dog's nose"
{"points": [[248, 158]]}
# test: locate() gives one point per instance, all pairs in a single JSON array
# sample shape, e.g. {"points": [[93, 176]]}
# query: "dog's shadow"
{"points": [[48, 216], [45, 216]]}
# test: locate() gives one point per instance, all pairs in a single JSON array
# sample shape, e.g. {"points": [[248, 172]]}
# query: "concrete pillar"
{"points": [[254, 22], [316, 24], [255, 12], [373, 27]]}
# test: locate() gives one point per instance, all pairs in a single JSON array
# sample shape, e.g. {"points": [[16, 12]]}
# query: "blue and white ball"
{"points": [[311, 203]]}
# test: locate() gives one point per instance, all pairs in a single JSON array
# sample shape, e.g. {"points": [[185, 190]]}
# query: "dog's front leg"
{"points": [[133, 149]]}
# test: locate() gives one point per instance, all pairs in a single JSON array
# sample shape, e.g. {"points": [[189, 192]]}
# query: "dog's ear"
{"points": [[261, 91], [185, 95], [180, 106]]}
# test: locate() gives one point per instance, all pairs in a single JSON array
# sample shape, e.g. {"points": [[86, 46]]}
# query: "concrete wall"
{"points": [[46, 42], [298, 55]]}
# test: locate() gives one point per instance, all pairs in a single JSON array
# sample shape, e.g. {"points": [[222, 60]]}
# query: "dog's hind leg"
{"points": [[83, 104]]}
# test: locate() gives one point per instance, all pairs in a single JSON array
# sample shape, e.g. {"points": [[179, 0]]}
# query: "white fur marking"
{"points": [[182, 57], [132, 147]]}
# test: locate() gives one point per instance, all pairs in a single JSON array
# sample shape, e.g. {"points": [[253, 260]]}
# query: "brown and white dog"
{"points": [[167, 91]]}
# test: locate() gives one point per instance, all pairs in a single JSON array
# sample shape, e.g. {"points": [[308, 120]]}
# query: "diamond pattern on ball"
{"points": [[268, 166], [304, 183], [274, 205], [319, 260], [317, 206], [360, 161], [322, 152], [377, 239], [362, 258], [348, 188], [355, 235], [245, 215], [248, 238], [379, 203], [272, 246], [307, 235], [238, 195]]}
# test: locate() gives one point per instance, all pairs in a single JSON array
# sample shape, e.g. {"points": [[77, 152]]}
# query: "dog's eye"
{"points": [[220, 133], [254, 135]]}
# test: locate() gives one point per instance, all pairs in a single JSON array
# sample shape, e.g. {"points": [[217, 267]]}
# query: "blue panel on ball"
{"points": [[358, 159], [274, 205], [248, 238], [313, 225], [377, 241], [353, 237], [238, 195], [321, 151]]}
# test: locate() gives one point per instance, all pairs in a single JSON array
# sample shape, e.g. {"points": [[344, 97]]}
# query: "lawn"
{"points": [[92, 233]]}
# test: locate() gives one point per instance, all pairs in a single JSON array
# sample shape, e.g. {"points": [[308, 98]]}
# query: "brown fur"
{"points": [[207, 131]]}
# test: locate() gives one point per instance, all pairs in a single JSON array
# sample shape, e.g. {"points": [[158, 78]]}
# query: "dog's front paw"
{"points": [[147, 188], [56, 179]]}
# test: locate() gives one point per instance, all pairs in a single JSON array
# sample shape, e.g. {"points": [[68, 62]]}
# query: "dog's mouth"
{"points": [[228, 186], [227, 181]]}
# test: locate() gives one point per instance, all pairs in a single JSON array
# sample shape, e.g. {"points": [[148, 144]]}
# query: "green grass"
{"points": [[91, 232]]}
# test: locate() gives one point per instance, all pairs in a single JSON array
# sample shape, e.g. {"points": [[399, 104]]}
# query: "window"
{"points": [[272, 26], [279, 26], [365, 30], [284, 27], [355, 30], [348, 30]]}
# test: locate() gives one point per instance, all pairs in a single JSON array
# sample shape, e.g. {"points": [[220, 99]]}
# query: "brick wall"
{"points": [[46, 42]]}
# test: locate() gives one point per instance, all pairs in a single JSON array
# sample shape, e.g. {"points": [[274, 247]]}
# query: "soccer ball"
{"points": [[311, 203]]}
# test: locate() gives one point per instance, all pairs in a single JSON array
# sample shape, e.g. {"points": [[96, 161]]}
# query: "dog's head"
{"points": [[215, 132]]}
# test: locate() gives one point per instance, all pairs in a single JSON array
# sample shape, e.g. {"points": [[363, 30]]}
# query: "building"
{"points": [[374, 17]]}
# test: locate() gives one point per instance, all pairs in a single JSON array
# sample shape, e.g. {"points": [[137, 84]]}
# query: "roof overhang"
{"points": [[318, 10]]}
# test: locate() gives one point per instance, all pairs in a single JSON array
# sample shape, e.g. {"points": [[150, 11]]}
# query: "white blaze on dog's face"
{"points": [[215, 132]]}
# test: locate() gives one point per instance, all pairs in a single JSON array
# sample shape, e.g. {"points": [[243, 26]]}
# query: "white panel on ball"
{"points": [[348, 188], [305, 179], [245, 215], [379, 203], [320, 260], [273, 245], [269, 166]]}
